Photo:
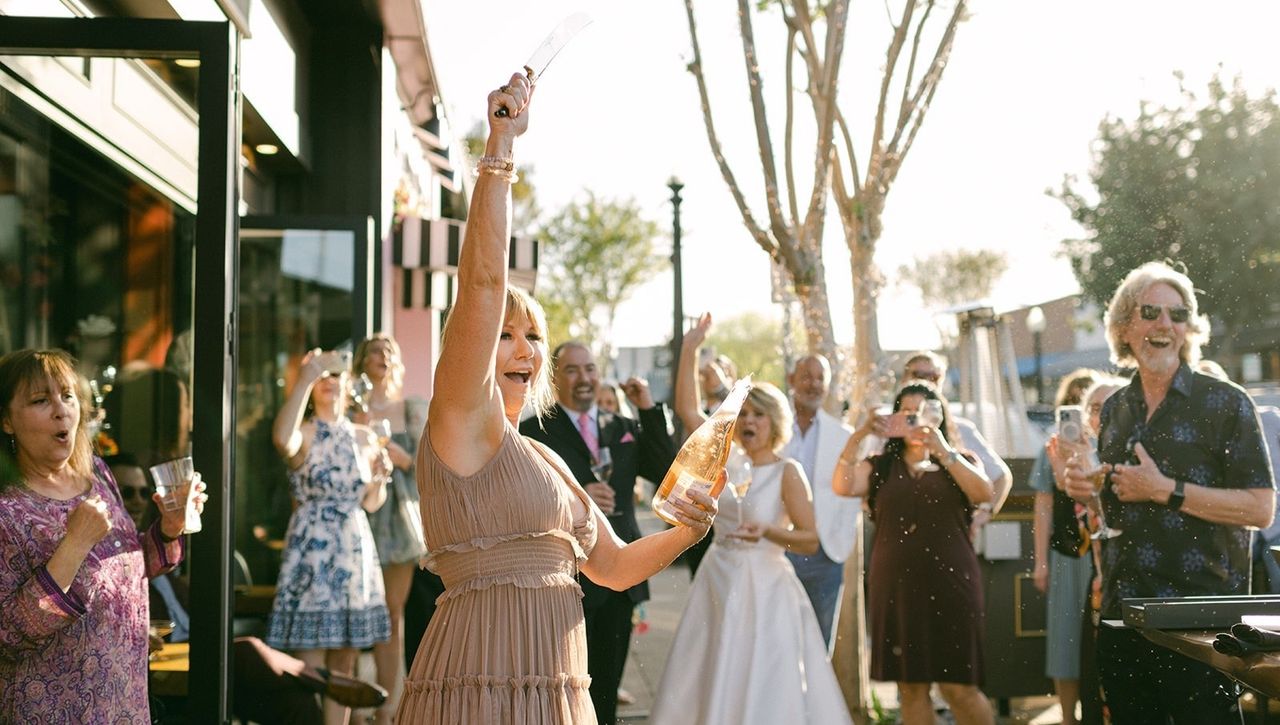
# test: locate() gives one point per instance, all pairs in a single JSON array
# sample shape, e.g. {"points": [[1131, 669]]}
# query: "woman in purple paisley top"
{"points": [[73, 570]]}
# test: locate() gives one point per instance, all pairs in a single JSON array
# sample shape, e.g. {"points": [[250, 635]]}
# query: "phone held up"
{"points": [[1071, 429], [899, 424], [339, 362], [1071, 423]]}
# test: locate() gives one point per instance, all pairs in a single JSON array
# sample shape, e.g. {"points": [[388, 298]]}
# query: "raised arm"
{"points": [[286, 432], [851, 476], [466, 417], [688, 399]]}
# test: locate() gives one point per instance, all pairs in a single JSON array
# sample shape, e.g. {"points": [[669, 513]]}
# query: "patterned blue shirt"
{"points": [[1205, 432]]}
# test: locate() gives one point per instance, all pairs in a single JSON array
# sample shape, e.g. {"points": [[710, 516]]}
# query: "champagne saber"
{"points": [[550, 48]]}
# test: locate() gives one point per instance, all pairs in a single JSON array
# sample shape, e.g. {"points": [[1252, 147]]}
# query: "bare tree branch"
{"points": [[825, 109], [788, 162], [804, 22], [755, 88], [853, 163], [757, 232], [915, 51], [915, 112], [891, 62]]}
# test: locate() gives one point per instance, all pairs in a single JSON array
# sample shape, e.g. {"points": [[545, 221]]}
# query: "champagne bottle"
{"points": [[702, 457]]}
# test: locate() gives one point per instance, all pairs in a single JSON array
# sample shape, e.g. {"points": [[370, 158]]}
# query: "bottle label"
{"points": [[679, 490]]}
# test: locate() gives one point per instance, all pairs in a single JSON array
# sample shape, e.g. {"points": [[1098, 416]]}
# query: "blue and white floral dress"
{"points": [[329, 594]]}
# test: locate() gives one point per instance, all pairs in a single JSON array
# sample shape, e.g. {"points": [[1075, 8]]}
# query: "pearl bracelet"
{"points": [[498, 166]]}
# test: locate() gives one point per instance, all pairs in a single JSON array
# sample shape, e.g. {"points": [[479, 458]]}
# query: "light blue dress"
{"points": [[329, 594], [1068, 594]]}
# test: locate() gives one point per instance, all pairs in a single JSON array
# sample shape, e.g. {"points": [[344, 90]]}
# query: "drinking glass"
{"points": [[930, 415], [1100, 480], [176, 483], [360, 389], [382, 428], [602, 468], [740, 477]]}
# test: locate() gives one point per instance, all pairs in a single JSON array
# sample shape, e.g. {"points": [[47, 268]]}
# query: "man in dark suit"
{"points": [[578, 430]]}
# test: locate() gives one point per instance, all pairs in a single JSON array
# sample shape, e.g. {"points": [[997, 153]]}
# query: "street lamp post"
{"points": [[1035, 325], [677, 317]]}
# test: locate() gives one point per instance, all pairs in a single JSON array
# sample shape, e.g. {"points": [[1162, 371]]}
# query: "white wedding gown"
{"points": [[748, 648]]}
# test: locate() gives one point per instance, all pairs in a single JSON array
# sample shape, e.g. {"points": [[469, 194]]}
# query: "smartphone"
{"points": [[899, 424], [339, 363], [1071, 429], [1071, 424]]}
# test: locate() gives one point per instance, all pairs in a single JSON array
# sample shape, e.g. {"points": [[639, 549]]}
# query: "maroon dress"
{"points": [[924, 594]]}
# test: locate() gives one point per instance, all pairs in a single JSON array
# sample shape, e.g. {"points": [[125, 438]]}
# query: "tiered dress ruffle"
{"points": [[507, 643]]}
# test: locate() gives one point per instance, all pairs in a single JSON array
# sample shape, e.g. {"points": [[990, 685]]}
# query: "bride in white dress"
{"points": [[748, 648]]}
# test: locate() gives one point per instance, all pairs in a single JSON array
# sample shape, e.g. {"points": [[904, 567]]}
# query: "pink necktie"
{"points": [[589, 435]]}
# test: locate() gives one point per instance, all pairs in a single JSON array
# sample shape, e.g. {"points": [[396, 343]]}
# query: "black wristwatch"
{"points": [[1177, 496]]}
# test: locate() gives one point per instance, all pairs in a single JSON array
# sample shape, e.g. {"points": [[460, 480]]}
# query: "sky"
{"points": [[1017, 110]]}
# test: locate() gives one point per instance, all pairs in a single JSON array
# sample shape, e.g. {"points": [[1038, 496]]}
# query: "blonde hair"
{"points": [[542, 395], [1125, 302], [395, 362], [1081, 378], [520, 303], [21, 369], [768, 399]]}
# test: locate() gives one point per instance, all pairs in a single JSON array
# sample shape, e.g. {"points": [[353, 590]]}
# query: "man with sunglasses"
{"points": [[1184, 472]]}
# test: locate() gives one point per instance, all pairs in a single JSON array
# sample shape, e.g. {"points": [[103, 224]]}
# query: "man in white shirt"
{"points": [[817, 438]]}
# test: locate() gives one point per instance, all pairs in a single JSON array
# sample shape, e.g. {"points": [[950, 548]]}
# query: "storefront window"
{"points": [[97, 262]]}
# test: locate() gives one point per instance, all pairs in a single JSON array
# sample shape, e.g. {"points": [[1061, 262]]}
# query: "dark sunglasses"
{"points": [[1176, 314], [930, 375], [128, 492]]}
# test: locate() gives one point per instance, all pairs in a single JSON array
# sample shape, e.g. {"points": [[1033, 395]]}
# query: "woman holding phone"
{"points": [[924, 592], [330, 601]]}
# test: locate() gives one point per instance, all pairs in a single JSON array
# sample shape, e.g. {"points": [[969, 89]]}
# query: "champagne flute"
{"points": [[98, 420], [930, 415], [602, 468], [382, 428], [360, 389], [740, 480], [1099, 480]]}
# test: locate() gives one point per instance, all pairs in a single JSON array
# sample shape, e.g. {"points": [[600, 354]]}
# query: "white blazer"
{"points": [[837, 516]]}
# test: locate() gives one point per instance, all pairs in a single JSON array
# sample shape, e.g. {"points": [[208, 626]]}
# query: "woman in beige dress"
{"points": [[507, 526]]}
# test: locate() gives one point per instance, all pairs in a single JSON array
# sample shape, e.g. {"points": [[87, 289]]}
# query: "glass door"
{"points": [[304, 284], [119, 145]]}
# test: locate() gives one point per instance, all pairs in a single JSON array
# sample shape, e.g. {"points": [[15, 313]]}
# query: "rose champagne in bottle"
{"points": [[703, 455]]}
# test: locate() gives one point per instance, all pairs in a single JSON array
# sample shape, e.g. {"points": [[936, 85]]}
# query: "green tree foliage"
{"points": [[1197, 185], [753, 342], [594, 254], [950, 278]]}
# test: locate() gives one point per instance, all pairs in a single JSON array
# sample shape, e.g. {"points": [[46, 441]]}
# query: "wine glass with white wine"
{"points": [[602, 467], [361, 386], [930, 415]]}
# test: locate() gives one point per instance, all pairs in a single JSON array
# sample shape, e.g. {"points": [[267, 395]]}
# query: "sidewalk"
{"points": [[669, 590]]}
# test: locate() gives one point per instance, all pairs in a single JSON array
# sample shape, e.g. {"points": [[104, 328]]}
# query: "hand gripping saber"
{"points": [[550, 48]]}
